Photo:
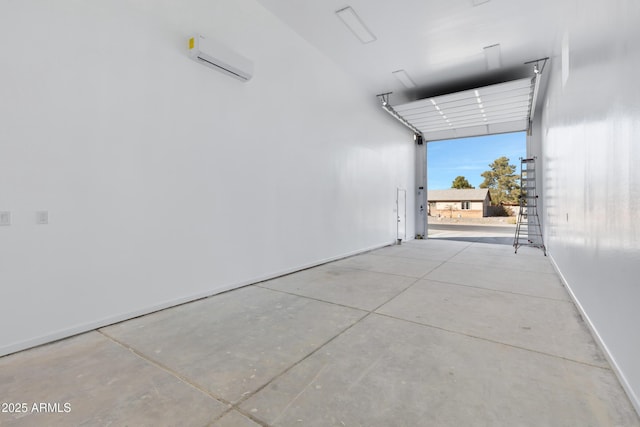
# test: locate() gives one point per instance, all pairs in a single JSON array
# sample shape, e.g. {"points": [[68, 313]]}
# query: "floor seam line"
{"points": [[320, 347], [229, 405], [498, 290], [448, 259], [493, 341], [416, 259], [552, 273], [314, 299], [219, 417], [460, 251], [292, 366], [395, 296], [403, 290], [168, 370], [378, 272]]}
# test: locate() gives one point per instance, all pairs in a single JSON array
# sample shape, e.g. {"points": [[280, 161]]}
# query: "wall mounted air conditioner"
{"points": [[214, 55]]}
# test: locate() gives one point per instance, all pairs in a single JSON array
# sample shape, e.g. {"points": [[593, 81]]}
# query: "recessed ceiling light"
{"points": [[355, 24], [492, 56], [404, 78]]}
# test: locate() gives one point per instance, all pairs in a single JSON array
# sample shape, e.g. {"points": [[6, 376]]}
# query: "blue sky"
{"points": [[470, 157]]}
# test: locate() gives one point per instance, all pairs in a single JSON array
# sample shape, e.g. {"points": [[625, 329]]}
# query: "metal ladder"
{"points": [[528, 230]]}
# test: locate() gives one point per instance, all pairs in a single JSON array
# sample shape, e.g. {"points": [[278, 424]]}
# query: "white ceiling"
{"points": [[440, 43]]}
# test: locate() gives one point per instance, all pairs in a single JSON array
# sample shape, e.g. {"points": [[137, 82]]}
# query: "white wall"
{"points": [[589, 147], [165, 180]]}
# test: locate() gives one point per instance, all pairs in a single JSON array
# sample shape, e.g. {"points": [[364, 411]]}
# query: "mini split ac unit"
{"points": [[214, 55]]}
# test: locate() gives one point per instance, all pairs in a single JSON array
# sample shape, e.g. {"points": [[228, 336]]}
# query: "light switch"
{"points": [[5, 218], [42, 217]]}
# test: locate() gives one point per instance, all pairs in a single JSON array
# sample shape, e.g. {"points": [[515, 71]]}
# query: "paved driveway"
{"points": [[497, 234]]}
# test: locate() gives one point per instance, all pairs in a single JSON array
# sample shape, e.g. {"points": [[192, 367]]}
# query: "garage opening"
{"points": [[479, 117], [473, 187]]}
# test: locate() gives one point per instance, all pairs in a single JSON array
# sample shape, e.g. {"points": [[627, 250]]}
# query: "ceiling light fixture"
{"points": [[492, 56], [404, 78], [355, 24]]}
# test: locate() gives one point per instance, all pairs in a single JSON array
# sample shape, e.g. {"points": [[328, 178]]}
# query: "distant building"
{"points": [[459, 203]]}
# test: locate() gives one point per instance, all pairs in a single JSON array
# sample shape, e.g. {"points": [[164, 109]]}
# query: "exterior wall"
{"points": [[166, 181], [466, 213], [454, 210], [586, 141]]}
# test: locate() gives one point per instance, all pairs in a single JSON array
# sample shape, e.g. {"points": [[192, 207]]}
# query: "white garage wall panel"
{"points": [[165, 180], [590, 154]]}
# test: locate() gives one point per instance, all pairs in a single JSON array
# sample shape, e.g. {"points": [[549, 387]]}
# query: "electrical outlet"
{"points": [[42, 217], [5, 218]]}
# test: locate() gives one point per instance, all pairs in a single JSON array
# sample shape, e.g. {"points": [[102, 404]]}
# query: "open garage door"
{"points": [[499, 108]]}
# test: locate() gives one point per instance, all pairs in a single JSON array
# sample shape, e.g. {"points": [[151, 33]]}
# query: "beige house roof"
{"points": [[458, 195]]}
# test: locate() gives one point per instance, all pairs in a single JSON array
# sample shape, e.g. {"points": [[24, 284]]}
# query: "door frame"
{"points": [[401, 214]]}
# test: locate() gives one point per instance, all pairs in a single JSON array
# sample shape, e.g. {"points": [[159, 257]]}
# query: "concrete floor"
{"points": [[429, 333]]}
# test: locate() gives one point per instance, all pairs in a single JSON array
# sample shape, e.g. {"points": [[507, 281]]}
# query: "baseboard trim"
{"points": [[90, 326]]}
